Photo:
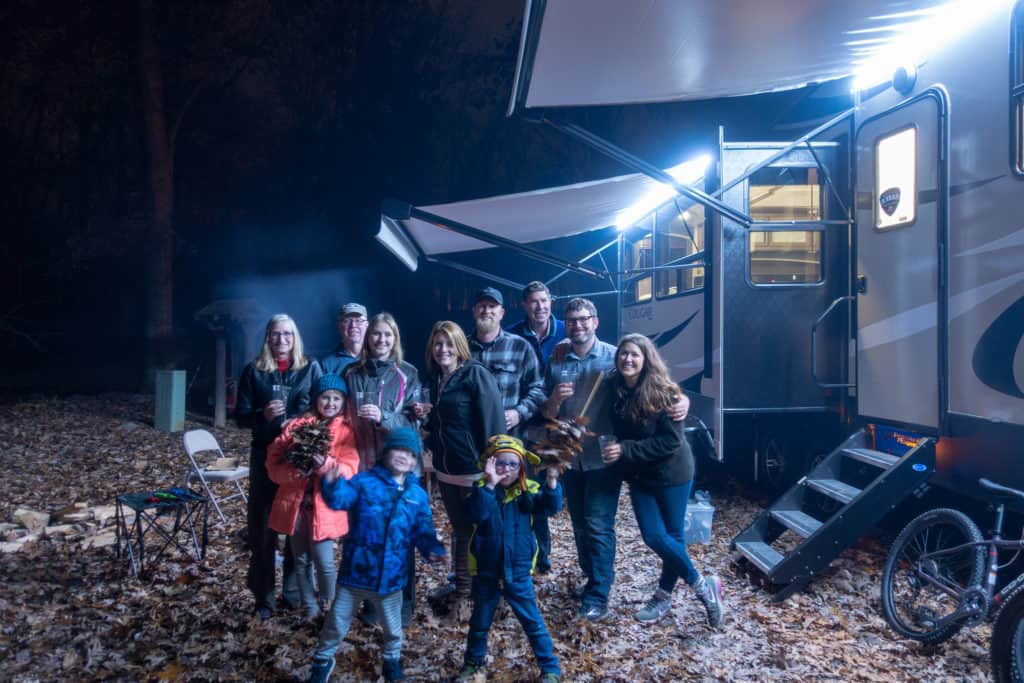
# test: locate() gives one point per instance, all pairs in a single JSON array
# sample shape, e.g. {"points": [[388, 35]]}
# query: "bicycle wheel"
{"points": [[1007, 647], [920, 589]]}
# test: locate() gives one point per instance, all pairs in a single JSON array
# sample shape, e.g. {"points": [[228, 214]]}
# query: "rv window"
{"points": [[785, 257], [896, 179], [1017, 88], [679, 233], [785, 193], [639, 254]]}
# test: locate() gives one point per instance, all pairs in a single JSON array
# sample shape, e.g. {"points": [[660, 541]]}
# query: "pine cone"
{"points": [[308, 441], [562, 442]]}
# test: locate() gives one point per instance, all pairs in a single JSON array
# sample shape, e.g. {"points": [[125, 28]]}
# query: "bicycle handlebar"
{"points": [[999, 488]]}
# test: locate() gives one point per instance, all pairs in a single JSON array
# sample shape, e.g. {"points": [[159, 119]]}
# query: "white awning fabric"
{"points": [[523, 217], [596, 52]]}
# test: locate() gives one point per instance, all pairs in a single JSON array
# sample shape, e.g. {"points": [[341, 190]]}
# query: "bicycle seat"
{"points": [[1000, 490]]}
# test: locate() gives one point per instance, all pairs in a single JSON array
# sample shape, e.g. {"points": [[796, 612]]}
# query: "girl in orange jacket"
{"points": [[299, 509]]}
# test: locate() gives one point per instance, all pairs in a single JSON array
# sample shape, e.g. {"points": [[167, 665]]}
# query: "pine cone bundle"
{"points": [[308, 441], [562, 442]]}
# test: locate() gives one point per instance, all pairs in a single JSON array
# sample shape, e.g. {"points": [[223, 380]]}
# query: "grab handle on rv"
{"points": [[814, 344]]}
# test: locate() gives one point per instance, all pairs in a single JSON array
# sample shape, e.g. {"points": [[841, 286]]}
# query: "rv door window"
{"points": [[639, 253], [1017, 89], [785, 257], [785, 193], [679, 232], [896, 179]]}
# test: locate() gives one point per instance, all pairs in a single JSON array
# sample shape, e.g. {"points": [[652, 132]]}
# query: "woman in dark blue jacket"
{"points": [[654, 458], [503, 507]]}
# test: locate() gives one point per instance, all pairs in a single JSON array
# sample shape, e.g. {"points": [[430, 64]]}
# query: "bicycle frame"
{"points": [[987, 603]]}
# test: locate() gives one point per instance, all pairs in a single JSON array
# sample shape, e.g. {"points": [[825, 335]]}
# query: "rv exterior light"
{"points": [[904, 78], [688, 172], [686, 215], [912, 42]]}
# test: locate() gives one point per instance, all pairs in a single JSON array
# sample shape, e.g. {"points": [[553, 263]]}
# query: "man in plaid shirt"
{"points": [[509, 357]]}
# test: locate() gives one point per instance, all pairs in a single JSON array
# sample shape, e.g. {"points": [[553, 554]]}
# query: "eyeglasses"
{"points": [[281, 335], [354, 321], [506, 466], [582, 320]]}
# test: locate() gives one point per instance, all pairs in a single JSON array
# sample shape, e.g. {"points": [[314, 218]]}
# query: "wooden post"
{"points": [[220, 365]]}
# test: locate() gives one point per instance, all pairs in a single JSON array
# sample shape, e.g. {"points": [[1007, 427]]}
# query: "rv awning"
{"points": [[594, 52], [526, 216]]}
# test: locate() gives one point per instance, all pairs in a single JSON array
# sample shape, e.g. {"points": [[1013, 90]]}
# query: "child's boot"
{"points": [[709, 591], [393, 671]]}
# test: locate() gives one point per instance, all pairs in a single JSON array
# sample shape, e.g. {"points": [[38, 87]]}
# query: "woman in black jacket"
{"points": [[274, 388], [466, 411], [655, 459]]}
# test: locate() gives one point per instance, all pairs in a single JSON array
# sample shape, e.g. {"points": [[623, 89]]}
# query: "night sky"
{"points": [[288, 123]]}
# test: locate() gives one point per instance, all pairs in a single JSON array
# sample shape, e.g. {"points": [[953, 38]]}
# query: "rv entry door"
{"points": [[899, 216]]}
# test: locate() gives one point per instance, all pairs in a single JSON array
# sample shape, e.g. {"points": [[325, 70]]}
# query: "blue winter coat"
{"points": [[384, 520], [503, 545]]}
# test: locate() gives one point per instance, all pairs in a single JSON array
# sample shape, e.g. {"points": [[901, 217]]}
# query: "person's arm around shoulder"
{"points": [[665, 441]]}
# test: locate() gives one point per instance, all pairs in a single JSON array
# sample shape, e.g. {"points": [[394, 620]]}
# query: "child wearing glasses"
{"points": [[503, 550]]}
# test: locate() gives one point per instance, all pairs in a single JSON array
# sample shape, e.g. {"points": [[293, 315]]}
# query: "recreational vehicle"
{"points": [[846, 309]]}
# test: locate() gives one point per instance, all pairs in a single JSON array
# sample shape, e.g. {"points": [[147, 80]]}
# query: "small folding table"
{"points": [[173, 517]]}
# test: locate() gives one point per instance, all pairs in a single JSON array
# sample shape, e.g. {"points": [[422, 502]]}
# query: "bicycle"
{"points": [[936, 580]]}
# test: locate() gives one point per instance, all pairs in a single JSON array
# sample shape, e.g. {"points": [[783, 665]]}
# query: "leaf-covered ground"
{"points": [[73, 614]]}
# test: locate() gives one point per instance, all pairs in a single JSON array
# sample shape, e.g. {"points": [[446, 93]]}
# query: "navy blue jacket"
{"points": [[384, 521], [503, 545]]}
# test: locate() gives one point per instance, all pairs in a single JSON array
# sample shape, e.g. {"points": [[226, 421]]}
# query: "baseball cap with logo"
{"points": [[352, 309]]}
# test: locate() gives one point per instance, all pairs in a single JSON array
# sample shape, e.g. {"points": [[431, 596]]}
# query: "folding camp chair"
{"points": [[201, 441]]}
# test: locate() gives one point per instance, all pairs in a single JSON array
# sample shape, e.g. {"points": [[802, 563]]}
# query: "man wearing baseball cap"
{"points": [[352, 321]]}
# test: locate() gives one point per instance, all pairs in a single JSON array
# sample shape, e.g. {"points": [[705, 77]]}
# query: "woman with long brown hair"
{"points": [[654, 458]]}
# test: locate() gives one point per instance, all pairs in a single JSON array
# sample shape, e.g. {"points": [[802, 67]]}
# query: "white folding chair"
{"points": [[201, 441]]}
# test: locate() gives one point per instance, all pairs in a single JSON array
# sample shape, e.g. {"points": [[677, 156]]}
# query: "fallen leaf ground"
{"points": [[75, 615]]}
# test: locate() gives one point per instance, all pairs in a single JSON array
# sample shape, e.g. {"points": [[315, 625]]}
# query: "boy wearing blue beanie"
{"points": [[385, 502]]}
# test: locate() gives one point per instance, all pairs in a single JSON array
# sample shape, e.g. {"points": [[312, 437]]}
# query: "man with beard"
{"points": [[591, 487], [539, 327], [513, 362], [352, 321]]}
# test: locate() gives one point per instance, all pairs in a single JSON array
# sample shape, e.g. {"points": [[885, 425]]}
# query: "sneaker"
{"points": [[469, 671], [321, 670], [656, 608], [393, 671], [264, 613], [709, 592], [549, 678], [594, 612]]}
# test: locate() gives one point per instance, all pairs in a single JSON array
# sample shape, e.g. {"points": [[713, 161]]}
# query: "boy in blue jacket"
{"points": [[388, 513], [503, 550]]}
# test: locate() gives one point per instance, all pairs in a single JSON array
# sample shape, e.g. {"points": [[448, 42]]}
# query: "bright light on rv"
{"points": [[688, 172], [911, 42]]}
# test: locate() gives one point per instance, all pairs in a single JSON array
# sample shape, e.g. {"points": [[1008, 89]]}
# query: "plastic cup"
{"points": [[605, 440]]}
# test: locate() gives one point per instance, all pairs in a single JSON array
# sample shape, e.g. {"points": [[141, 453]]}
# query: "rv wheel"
{"points": [[782, 462]]}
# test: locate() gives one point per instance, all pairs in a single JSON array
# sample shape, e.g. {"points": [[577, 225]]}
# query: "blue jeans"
{"points": [[592, 497], [521, 599], [661, 515]]}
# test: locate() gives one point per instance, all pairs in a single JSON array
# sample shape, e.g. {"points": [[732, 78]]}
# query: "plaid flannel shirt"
{"points": [[511, 360]]}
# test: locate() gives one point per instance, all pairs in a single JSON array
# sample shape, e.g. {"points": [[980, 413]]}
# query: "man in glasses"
{"points": [[352, 321], [591, 488]]}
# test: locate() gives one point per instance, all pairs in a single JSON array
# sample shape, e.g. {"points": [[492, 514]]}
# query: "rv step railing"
{"points": [[867, 483]]}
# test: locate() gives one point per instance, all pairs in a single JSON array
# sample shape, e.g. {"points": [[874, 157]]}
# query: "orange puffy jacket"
{"points": [[327, 523]]}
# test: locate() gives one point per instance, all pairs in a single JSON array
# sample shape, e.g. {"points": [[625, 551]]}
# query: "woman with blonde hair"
{"points": [[654, 458], [464, 411], [273, 389]]}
